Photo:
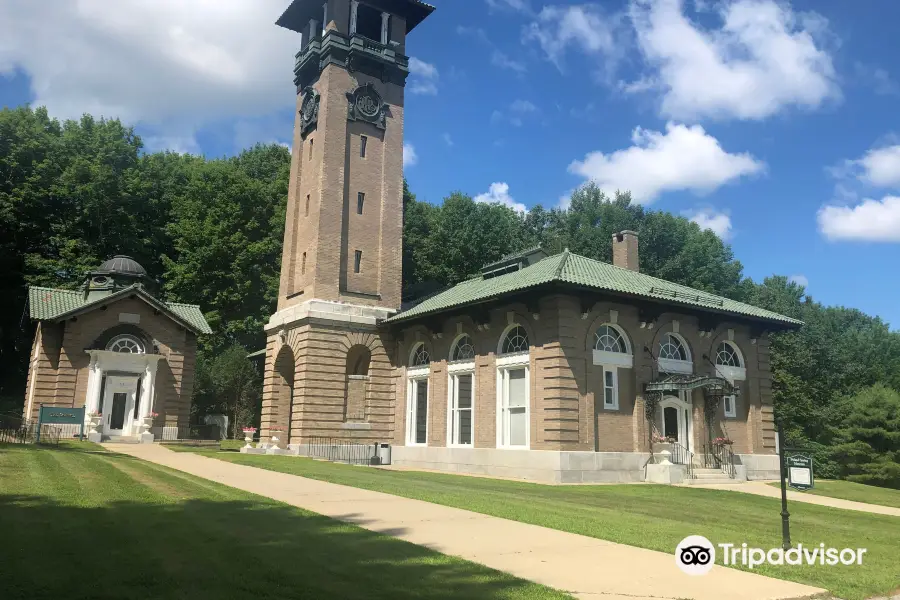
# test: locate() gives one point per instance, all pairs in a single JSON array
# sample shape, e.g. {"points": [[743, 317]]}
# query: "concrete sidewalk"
{"points": [[764, 489], [583, 566]]}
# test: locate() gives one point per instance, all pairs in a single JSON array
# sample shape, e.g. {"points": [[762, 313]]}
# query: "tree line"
{"points": [[209, 230]]}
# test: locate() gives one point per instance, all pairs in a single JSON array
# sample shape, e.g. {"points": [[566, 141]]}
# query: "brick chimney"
{"points": [[625, 250]]}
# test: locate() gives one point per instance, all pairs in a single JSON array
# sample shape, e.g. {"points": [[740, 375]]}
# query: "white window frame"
{"points": [[413, 376], [671, 365], [615, 388], [509, 362], [733, 412], [454, 371]]}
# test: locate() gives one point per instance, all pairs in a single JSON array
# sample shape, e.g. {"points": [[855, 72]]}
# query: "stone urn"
{"points": [[94, 422], [248, 438], [663, 450], [275, 440]]}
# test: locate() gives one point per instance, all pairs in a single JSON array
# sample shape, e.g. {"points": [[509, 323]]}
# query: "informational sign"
{"points": [[52, 415], [800, 471]]}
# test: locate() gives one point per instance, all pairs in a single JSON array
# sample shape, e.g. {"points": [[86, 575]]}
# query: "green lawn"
{"points": [[648, 516], [78, 522], [847, 490]]}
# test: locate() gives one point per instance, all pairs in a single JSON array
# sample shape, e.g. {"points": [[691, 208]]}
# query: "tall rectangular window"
{"points": [[303, 265], [417, 411], [514, 407], [461, 409], [311, 142], [611, 389], [357, 261], [307, 205], [363, 140], [730, 406], [360, 201]]}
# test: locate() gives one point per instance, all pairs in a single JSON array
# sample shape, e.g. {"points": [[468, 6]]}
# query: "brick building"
{"points": [[117, 350], [556, 368]]}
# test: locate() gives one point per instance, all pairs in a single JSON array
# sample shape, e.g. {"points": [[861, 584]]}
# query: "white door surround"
{"points": [[119, 367], [118, 404], [676, 419]]}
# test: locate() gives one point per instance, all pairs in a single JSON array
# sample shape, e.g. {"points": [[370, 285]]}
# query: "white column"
{"points": [[354, 9], [92, 398], [385, 20], [148, 388]]}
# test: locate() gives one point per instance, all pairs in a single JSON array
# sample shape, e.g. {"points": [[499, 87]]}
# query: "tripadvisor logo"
{"points": [[696, 555]]}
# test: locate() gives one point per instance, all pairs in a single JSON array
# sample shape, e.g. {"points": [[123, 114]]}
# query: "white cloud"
{"points": [[800, 280], [499, 193], [762, 59], [871, 220], [559, 27], [880, 166], [447, 139], [516, 113], [717, 222], [682, 158], [410, 158], [169, 65], [423, 77], [879, 79], [499, 59], [516, 5]]}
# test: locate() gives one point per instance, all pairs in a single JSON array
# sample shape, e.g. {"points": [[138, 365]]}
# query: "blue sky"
{"points": [[774, 124]]}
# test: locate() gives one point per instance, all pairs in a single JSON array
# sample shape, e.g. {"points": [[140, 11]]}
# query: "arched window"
{"points": [[516, 340], [727, 355], [672, 348], [674, 355], [463, 349], [126, 344], [419, 356], [609, 339]]}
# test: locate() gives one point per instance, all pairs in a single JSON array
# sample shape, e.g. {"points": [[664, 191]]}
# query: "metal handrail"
{"points": [[338, 450], [682, 456], [719, 456]]}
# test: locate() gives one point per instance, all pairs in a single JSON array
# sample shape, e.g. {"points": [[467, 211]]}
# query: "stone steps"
{"points": [[704, 476], [120, 439]]}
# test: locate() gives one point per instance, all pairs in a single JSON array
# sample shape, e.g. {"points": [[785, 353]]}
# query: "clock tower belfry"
{"points": [[342, 259]]}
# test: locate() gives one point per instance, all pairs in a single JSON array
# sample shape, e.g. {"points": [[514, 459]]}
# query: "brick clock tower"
{"points": [[328, 371]]}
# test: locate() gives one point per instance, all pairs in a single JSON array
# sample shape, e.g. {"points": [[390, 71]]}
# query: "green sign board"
{"points": [[800, 471], [53, 415]]}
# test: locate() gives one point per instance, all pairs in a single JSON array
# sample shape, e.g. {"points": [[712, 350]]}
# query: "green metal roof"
{"points": [[49, 304], [580, 271]]}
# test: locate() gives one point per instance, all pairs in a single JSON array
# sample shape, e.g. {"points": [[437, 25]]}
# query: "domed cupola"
{"points": [[115, 274]]}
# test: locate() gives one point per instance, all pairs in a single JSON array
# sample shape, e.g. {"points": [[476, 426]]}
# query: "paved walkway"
{"points": [[585, 567], [764, 489]]}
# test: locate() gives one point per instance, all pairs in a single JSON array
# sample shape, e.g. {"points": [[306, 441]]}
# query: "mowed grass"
{"points": [[78, 522], [858, 492], [647, 516]]}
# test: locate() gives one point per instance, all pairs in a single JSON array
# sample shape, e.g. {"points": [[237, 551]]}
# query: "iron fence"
{"points": [[190, 433], [15, 430], [345, 451]]}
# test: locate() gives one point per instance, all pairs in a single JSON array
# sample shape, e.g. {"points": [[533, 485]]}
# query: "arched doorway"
{"points": [[358, 359], [676, 421], [284, 389]]}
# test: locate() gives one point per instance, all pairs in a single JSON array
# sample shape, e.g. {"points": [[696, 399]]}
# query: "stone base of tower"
{"points": [[327, 374]]}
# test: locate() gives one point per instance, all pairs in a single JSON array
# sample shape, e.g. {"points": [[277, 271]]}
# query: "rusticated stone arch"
{"points": [[284, 389], [357, 383]]}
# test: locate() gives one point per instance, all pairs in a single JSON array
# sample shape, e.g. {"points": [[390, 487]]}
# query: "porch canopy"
{"points": [[715, 386]]}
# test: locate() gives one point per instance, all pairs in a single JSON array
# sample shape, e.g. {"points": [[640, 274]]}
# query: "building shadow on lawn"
{"points": [[204, 548]]}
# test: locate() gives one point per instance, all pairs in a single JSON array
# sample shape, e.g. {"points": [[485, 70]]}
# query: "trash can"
{"points": [[383, 454]]}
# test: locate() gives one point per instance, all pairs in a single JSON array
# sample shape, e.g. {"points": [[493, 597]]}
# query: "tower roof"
{"points": [[124, 265], [298, 14]]}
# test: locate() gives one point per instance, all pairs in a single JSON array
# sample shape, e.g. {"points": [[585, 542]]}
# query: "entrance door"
{"points": [[118, 405], [676, 421]]}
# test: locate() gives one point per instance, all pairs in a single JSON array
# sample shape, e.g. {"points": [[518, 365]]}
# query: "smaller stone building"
{"points": [[117, 350]]}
